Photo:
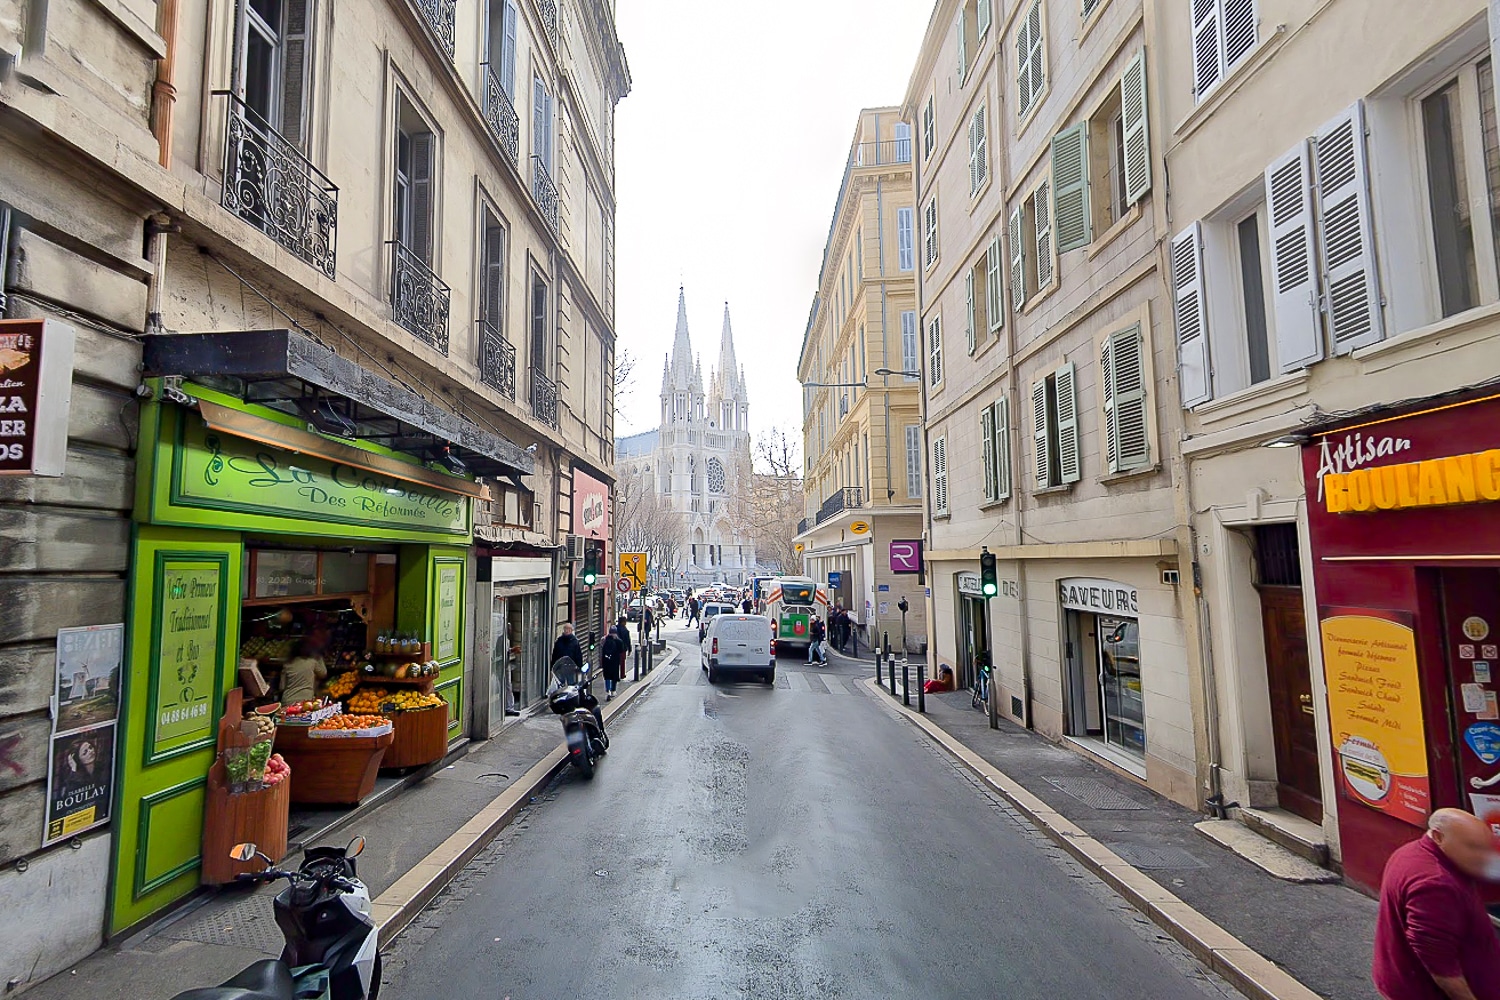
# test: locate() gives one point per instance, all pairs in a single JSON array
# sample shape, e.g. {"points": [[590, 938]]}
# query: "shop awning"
{"points": [[288, 371]]}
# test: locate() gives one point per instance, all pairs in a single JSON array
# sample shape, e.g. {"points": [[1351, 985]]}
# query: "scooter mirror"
{"points": [[243, 852], [356, 848]]}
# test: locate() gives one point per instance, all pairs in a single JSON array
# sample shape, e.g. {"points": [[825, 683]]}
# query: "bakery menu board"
{"points": [[36, 385], [1375, 709]]}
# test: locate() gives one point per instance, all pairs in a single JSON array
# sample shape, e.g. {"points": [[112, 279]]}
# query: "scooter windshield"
{"points": [[568, 674]]}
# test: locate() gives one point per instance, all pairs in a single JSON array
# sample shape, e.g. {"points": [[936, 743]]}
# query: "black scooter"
{"points": [[332, 943], [583, 723]]}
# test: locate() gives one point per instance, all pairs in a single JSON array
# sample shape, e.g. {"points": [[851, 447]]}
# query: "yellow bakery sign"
{"points": [[1435, 482]]}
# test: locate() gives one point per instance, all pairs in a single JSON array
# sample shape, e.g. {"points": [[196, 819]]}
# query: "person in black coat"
{"points": [[567, 647], [612, 657]]}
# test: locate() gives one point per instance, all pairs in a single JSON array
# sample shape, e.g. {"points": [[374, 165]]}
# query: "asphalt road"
{"points": [[754, 843]]}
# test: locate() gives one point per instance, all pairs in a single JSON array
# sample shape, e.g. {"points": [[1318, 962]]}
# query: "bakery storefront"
{"points": [[1405, 534], [302, 547]]}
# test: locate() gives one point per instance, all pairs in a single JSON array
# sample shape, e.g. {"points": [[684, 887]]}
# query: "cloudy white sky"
{"points": [[729, 152]]}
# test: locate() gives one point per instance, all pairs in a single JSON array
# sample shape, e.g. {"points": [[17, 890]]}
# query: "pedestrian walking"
{"points": [[816, 634], [1433, 937], [567, 647], [612, 658], [839, 622], [747, 606], [692, 610]]}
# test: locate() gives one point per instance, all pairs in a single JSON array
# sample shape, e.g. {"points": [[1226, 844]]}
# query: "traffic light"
{"points": [[987, 583], [593, 552]]}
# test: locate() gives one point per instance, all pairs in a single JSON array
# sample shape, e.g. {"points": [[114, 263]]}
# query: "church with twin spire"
{"points": [[698, 458]]}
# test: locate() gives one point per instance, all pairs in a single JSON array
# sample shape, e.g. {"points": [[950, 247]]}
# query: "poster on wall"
{"points": [[1375, 710], [86, 706]]}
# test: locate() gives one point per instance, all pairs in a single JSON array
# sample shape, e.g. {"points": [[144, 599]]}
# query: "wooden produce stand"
{"points": [[331, 771], [258, 817], [421, 735]]}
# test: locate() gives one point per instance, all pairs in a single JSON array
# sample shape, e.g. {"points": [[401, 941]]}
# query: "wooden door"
{"points": [[1293, 727]]}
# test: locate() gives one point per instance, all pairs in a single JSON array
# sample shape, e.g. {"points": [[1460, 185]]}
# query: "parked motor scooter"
{"points": [[583, 724], [332, 943]]}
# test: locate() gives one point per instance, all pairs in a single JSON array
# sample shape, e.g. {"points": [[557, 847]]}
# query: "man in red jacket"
{"points": [[1433, 938]]}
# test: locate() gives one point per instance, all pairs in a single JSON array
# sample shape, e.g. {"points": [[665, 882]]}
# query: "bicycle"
{"points": [[980, 689]]}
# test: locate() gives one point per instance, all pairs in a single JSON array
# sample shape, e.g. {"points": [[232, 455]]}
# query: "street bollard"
{"points": [[877, 668], [905, 681], [922, 685], [890, 666], [637, 662]]}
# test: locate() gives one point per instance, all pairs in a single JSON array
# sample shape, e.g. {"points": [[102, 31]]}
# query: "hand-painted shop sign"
{"points": [[1434, 482], [1084, 594], [36, 388], [224, 472]]}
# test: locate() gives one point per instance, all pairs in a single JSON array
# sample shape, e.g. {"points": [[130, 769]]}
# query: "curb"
{"points": [[398, 906], [1248, 971]]}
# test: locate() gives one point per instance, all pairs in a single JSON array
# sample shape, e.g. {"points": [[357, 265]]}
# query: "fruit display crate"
{"points": [[423, 684], [421, 737], [336, 771], [312, 718]]}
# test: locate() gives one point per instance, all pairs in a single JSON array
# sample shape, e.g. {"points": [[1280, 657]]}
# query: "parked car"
{"points": [[738, 644], [633, 609], [711, 611]]}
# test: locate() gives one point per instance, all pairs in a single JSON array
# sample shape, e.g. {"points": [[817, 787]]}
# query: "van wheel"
{"points": [[771, 677], [713, 674]]}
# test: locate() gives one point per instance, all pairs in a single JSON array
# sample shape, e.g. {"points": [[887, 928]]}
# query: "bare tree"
{"points": [[623, 370], [772, 505], [645, 521]]}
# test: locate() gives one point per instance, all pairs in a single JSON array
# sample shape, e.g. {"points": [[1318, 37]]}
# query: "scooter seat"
{"points": [[265, 980]]}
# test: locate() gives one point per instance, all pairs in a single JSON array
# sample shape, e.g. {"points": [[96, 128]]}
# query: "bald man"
{"points": [[1433, 938]]}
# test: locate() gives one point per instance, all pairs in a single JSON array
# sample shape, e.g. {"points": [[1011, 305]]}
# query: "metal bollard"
{"points": [[890, 666], [922, 685], [905, 681]]}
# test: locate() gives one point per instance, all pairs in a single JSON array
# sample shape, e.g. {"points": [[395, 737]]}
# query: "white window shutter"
{"points": [[913, 460], [994, 297], [969, 309], [1002, 448], [1043, 237], [1294, 282], [539, 119], [963, 44], [905, 247], [1107, 398], [987, 445], [507, 73], [1068, 460], [1238, 18], [979, 162], [1346, 246], [940, 475], [1023, 68], [1191, 316], [1070, 188], [1133, 114], [935, 347], [973, 169], [983, 14], [1017, 260], [1037, 44], [1040, 435], [1132, 443], [1208, 46], [909, 359]]}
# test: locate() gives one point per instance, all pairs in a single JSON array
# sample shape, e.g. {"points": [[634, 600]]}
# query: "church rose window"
{"points": [[715, 476]]}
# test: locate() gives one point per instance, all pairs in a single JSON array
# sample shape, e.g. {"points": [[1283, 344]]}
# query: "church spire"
{"points": [[682, 348], [728, 367]]}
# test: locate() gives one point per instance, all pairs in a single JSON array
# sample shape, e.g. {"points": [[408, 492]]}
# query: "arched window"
{"points": [[715, 476], [693, 474]]}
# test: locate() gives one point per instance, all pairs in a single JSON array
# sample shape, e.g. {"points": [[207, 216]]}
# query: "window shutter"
{"points": [[929, 236], [1299, 340], [929, 125], [1346, 249], [241, 47], [940, 476], [909, 360], [935, 347], [1088, 7], [987, 445], [1208, 47], [1039, 433], [509, 18], [983, 15], [1191, 316], [493, 301], [973, 176], [1023, 68], [978, 151], [1017, 260], [1070, 188], [1133, 117], [1132, 445], [1067, 426], [913, 460], [422, 164], [905, 253], [1107, 398], [1002, 448], [296, 57], [969, 309], [1043, 237], [1239, 30], [963, 45], [1035, 44], [994, 300]]}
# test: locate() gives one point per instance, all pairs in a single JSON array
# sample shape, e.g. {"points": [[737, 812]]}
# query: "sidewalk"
{"points": [[222, 931], [1321, 934]]}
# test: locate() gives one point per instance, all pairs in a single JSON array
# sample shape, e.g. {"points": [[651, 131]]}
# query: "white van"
{"points": [[739, 644]]}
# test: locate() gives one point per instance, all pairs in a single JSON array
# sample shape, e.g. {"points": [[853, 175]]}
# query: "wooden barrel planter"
{"points": [[259, 817], [420, 737]]}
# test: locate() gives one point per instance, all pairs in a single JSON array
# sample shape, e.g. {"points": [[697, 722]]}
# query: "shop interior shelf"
{"points": [[375, 680]]}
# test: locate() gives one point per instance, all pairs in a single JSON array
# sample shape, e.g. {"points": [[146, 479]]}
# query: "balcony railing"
{"points": [[497, 361], [543, 398], [801, 526], [544, 191], [440, 16], [848, 498], [272, 186], [419, 298], [548, 11], [500, 115], [875, 154]]}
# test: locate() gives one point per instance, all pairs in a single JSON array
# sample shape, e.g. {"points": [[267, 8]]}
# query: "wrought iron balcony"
{"points": [[440, 16], [497, 361], [500, 115], [419, 298], [801, 526], [272, 186], [543, 398], [544, 191], [548, 11], [848, 498], [874, 154]]}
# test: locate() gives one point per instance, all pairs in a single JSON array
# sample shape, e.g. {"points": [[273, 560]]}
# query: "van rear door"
{"points": [[744, 640]]}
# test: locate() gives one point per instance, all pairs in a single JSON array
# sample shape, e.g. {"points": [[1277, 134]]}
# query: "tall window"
{"points": [[940, 476], [274, 70], [1031, 59], [1124, 393], [905, 237], [541, 358], [416, 170], [929, 130], [903, 142], [541, 123], [492, 271], [500, 43], [1031, 253], [913, 461], [1462, 149], [994, 440], [1253, 296], [930, 234], [935, 350], [979, 157], [1054, 428], [1223, 34], [1102, 166], [909, 362]]}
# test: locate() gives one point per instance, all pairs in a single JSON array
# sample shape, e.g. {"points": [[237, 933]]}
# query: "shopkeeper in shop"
{"points": [[300, 676]]}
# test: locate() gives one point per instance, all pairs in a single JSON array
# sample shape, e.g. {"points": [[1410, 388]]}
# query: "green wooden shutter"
{"points": [[1133, 116], [969, 309], [1072, 221], [987, 445], [1132, 439], [994, 301], [1107, 397], [983, 15], [1017, 260], [1068, 459], [1039, 432], [1043, 211], [1002, 448]]}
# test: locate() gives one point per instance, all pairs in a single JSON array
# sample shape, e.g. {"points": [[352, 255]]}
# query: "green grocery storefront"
{"points": [[276, 483]]}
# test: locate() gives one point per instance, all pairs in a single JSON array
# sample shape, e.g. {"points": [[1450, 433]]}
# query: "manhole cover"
{"points": [[247, 923], [1095, 793], [1156, 858]]}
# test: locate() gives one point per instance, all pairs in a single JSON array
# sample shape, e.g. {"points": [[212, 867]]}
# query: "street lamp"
{"points": [[888, 371]]}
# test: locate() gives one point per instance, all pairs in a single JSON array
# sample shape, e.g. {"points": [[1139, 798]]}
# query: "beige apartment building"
{"points": [[1051, 414], [380, 230], [861, 429], [1335, 210]]}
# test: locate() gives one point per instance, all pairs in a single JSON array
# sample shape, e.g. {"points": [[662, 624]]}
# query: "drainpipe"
{"points": [[5, 215], [157, 228], [1215, 801], [164, 90]]}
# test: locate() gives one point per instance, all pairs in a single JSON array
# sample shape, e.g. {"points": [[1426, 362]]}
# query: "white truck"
{"points": [[792, 602]]}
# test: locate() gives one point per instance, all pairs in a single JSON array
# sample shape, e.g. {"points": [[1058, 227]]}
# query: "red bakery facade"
{"points": [[1404, 525]]}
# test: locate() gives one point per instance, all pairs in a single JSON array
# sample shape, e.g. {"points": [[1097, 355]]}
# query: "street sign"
{"points": [[860, 527], [798, 548], [906, 556], [835, 579], [622, 585], [633, 569]]}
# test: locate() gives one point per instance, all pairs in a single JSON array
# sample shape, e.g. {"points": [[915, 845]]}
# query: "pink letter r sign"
{"points": [[906, 556]]}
